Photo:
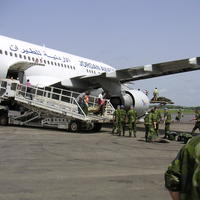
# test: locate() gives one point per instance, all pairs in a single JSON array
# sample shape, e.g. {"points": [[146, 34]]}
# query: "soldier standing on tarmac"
{"points": [[150, 128], [158, 118], [167, 118], [179, 115], [123, 119], [132, 117], [117, 120], [197, 123], [147, 124], [154, 122]]}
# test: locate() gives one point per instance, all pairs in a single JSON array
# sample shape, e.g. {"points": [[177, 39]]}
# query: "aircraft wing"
{"points": [[155, 70], [150, 71]]}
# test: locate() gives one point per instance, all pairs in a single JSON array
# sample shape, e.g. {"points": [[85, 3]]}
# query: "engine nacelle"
{"points": [[138, 99], [133, 97]]}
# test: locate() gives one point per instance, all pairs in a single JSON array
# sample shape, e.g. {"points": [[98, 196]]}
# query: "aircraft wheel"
{"points": [[74, 126]]}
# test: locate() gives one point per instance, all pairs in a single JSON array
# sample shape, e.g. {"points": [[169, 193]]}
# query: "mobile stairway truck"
{"points": [[48, 107]]}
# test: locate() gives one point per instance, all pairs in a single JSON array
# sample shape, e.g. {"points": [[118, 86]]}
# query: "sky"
{"points": [[121, 33]]}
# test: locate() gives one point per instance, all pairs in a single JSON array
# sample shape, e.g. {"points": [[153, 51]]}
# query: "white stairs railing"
{"points": [[56, 100]]}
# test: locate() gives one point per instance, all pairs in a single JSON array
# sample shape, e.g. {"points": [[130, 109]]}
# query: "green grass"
{"points": [[175, 111]]}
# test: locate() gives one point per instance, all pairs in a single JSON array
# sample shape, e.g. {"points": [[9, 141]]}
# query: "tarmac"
{"points": [[44, 164]]}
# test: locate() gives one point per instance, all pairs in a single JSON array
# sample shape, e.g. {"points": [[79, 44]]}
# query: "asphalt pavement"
{"points": [[44, 164]]}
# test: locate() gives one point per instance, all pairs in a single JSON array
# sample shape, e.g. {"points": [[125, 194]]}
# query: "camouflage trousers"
{"points": [[157, 128], [167, 129], [117, 125], [151, 133], [132, 129], [147, 129]]}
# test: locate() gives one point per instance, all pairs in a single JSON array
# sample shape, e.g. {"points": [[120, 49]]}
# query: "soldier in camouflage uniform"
{"points": [[182, 178], [116, 120], [157, 119], [197, 124], [179, 115], [168, 119], [149, 126], [132, 117], [123, 120]]}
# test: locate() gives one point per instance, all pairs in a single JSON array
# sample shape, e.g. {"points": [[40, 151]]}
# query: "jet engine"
{"points": [[132, 97]]}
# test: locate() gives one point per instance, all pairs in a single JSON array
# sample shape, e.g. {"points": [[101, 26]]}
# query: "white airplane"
{"points": [[47, 67]]}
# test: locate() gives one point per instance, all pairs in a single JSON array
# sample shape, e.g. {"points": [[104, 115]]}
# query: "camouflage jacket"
{"points": [[132, 116], [123, 115], [197, 117], [183, 174], [168, 117], [116, 115], [148, 119], [158, 116]]}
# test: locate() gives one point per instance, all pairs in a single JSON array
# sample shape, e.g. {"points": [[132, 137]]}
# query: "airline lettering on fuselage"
{"points": [[63, 59], [94, 66], [38, 53], [13, 48]]}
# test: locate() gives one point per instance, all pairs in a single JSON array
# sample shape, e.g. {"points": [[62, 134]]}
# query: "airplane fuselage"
{"points": [[45, 67], [57, 65]]}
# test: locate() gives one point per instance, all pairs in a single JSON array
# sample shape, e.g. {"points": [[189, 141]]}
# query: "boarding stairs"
{"points": [[54, 101]]}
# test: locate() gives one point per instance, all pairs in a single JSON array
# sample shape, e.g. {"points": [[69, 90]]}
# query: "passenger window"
{"points": [[33, 59], [13, 86], [6, 53], [48, 62], [59, 64], [1, 51], [15, 55], [25, 57], [55, 64], [20, 55], [10, 53], [45, 61], [51, 63], [29, 58], [3, 84]]}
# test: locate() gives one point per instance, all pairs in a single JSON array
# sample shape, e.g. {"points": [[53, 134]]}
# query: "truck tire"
{"points": [[74, 126], [97, 127], [4, 120]]}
